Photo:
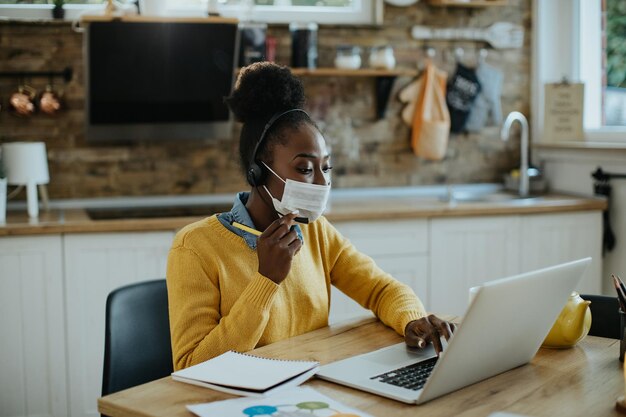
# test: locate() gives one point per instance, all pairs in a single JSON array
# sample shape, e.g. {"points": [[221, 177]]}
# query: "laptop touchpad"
{"points": [[397, 354]]}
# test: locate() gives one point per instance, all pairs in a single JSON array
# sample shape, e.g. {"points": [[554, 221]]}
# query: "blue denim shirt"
{"points": [[239, 214]]}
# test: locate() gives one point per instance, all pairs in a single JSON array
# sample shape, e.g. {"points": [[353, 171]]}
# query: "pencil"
{"points": [[246, 228], [621, 284], [621, 297]]}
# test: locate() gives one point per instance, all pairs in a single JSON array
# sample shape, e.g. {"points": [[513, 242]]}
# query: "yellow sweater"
{"points": [[218, 301]]}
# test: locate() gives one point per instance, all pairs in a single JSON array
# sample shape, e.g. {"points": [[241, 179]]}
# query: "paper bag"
{"points": [[431, 121]]}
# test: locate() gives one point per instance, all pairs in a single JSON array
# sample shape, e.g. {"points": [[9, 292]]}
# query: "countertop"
{"points": [[70, 216]]}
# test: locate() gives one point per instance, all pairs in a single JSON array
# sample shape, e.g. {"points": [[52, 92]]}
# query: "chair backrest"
{"points": [[605, 319], [137, 346]]}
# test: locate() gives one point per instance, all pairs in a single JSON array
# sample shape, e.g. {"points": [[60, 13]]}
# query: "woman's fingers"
{"points": [[442, 327], [280, 227], [428, 330], [276, 248]]}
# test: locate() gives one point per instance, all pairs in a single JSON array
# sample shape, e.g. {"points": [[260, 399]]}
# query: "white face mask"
{"points": [[309, 199]]}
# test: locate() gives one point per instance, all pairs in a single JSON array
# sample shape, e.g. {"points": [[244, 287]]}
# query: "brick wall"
{"points": [[366, 151]]}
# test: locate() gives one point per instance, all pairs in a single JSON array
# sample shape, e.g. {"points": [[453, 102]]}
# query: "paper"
{"points": [[241, 374], [563, 116], [295, 402]]}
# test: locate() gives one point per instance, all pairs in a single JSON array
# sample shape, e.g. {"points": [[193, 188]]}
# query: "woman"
{"points": [[231, 289]]}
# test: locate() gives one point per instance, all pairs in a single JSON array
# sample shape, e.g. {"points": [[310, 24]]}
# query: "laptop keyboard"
{"points": [[412, 377]]}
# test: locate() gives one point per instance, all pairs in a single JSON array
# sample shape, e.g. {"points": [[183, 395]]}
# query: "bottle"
{"points": [[303, 45]]}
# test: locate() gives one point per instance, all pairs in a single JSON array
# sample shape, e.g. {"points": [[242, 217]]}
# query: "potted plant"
{"points": [[57, 11]]}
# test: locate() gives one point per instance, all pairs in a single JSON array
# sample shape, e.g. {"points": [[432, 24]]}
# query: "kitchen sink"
{"points": [[152, 212], [490, 197]]}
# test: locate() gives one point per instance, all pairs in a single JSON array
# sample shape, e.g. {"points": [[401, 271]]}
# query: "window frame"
{"points": [[571, 51], [368, 12]]}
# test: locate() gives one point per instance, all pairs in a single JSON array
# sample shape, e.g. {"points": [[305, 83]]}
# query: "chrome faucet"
{"points": [[504, 134]]}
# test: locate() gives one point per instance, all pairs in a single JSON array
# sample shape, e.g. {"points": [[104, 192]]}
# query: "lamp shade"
{"points": [[25, 162]]}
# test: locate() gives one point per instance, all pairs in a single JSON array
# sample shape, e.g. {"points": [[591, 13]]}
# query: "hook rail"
{"points": [[66, 74]]}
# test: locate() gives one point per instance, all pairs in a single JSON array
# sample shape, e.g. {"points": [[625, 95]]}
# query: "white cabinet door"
{"points": [[32, 327], [549, 239], [466, 252], [96, 264], [399, 247]]}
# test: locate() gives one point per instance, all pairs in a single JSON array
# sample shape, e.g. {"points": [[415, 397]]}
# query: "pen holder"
{"points": [[622, 340]]}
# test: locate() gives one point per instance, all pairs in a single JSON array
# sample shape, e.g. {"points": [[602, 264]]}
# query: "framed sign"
{"points": [[563, 116]]}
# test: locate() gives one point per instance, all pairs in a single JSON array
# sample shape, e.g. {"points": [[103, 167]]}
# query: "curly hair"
{"points": [[264, 89]]}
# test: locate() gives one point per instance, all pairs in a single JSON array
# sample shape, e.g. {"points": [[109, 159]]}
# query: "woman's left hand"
{"points": [[430, 329]]}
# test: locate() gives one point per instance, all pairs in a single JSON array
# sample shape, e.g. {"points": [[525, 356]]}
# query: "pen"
{"points": [[246, 228]]}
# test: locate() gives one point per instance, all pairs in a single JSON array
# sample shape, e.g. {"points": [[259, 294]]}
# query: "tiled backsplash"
{"points": [[366, 151]]}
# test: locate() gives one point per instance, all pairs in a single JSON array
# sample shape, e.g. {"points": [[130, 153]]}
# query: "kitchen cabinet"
{"points": [[32, 325], [96, 264], [549, 239], [398, 247], [467, 251]]}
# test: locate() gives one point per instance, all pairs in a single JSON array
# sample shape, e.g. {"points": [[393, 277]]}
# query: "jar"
{"points": [[348, 57], [382, 57]]}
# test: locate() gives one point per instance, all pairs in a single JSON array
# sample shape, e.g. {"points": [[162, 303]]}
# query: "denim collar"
{"points": [[240, 214]]}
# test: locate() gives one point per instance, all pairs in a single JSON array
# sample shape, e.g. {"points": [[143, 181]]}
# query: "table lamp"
{"points": [[26, 163]]}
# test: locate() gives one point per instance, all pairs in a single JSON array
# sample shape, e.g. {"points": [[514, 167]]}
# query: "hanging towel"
{"points": [[487, 109], [462, 91], [431, 120]]}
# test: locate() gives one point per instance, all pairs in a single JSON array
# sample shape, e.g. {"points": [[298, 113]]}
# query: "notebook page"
{"points": [[245, 371]]}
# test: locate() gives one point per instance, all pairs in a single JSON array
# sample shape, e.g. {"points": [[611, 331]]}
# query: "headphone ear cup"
{"points": [[255, 175]]}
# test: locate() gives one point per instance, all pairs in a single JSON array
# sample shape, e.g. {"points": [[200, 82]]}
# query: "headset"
{"points": [[256, 174]]}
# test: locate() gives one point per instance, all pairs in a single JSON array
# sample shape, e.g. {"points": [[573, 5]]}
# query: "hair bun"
{"points": [[263, 89]]}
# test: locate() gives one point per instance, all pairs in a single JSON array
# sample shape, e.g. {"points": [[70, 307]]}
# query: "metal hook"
{"points": [[458, 53]]}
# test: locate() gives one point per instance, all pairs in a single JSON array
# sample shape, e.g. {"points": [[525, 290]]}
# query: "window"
{"points": [[588, 46], [270, 11], [286, 11], [615, 60]]}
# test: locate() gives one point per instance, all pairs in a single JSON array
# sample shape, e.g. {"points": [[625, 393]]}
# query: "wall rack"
{"points": [[384, 80], [498, 35], [66, 74], [361, 72]]}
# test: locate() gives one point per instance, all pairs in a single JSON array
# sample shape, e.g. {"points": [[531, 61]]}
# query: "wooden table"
{"points": [[581, 381]]}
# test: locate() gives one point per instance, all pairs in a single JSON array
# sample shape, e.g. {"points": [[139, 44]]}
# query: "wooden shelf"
{"points": [[471, 3], [384, 80], [361, 72]]}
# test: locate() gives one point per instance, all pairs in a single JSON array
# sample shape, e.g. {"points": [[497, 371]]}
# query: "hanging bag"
{"points": [[431, 121]]}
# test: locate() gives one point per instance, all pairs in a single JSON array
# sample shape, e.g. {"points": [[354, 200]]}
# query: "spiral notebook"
{"points": [[242, 374]]}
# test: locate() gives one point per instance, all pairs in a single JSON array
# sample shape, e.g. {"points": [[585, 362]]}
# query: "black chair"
{"points": [[137, 345], [605, 320]]}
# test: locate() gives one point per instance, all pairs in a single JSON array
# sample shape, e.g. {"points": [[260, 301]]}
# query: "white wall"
{"points": [[570, 171]]}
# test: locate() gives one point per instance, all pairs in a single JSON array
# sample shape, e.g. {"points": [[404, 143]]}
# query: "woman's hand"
{"points": [[419, 333], [276, 248]]}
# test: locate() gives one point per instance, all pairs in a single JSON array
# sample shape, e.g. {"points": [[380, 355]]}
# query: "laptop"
{"points": [[504, 326]]}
